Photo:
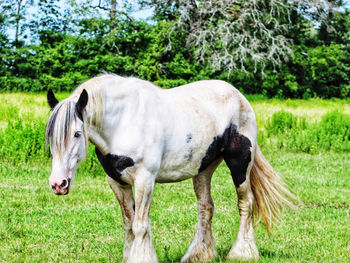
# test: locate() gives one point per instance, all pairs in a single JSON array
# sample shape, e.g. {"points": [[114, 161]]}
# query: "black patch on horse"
{"points": [[215, 149], [235, 148], [114, 164]]}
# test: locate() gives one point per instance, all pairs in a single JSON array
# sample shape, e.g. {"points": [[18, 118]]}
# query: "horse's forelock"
{"points": [[59, 126]]}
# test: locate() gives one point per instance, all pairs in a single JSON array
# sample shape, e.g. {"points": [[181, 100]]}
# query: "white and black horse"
{"points": [[144, 134]]}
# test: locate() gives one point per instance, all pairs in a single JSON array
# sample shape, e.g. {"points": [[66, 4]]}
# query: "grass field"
{"points": [[86, 225]]}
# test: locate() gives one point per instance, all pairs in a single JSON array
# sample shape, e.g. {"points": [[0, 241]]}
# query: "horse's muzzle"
{"points": [[62, 188]]}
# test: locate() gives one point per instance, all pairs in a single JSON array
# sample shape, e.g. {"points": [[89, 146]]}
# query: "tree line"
{"points": [[277, 48]]}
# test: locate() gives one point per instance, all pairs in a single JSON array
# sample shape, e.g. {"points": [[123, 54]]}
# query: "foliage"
{"points": [[63, 53], [321, 71], [330, 71], [233, 35]]}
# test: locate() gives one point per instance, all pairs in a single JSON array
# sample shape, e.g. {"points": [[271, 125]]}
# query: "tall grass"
{"points": [[23, 142], [22, 130], [285, 130]]}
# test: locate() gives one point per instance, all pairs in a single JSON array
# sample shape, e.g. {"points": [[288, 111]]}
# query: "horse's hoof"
{"points": [[204, 255], [244, 251]]}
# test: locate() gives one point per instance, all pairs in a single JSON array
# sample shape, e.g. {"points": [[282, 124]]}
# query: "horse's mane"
{"points": [[95, 106], [58, 127]]}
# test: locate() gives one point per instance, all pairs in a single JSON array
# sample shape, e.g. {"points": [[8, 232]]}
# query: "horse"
{"points": [[145, 135]]}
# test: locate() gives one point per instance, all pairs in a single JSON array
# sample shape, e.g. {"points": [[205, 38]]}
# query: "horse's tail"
{"points": [[270, 193]]}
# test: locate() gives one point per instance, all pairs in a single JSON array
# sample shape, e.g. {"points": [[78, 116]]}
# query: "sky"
{"points": [[143, 14], [138, 15]]}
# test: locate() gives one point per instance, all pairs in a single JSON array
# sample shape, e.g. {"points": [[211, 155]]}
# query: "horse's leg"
{"points": [[203, 246], [142, 249], [239, 156], [244, 247], [125, 198]]}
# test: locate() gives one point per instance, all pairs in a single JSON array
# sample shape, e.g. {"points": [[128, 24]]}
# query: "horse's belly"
{"points": [[174, 176], [177, 170]]}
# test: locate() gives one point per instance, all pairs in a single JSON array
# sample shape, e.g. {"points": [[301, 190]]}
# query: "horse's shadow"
{"points": [[223, 252]]}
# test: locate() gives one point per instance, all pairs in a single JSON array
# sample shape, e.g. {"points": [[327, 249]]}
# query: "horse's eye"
{"points": [[77, 134]]}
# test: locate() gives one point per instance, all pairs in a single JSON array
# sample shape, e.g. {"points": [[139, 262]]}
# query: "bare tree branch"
{"points": [[18, 19], [229, 34]]}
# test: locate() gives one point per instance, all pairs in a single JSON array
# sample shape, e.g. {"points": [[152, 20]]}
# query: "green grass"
{"points": [[86, 225]]}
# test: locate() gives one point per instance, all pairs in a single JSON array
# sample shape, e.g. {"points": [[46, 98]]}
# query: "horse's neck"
{"points": [[98, 140], [120, 106]]}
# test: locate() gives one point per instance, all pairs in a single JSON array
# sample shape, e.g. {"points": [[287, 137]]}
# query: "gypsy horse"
{"points": [[144, 134]]}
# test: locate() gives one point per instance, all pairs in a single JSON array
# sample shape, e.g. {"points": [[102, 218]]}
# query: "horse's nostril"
{"points": [[53, 187], [64, 183]]}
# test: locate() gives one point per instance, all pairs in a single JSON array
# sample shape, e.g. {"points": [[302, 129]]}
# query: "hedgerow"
{"points": [[62, 61]]}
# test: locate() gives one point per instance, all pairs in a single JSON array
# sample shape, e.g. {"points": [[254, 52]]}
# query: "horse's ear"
{"points": [[51, 99], [81, 104]]}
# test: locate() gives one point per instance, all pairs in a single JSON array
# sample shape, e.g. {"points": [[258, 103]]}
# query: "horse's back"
{"points": [[215, 89], [211, 102]]}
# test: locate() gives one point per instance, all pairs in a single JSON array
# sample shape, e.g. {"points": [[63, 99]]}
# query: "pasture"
{"points": [[86, 225]]}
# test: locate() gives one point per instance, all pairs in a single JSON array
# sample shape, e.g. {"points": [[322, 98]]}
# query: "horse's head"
{"points": [[67, 138]]}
